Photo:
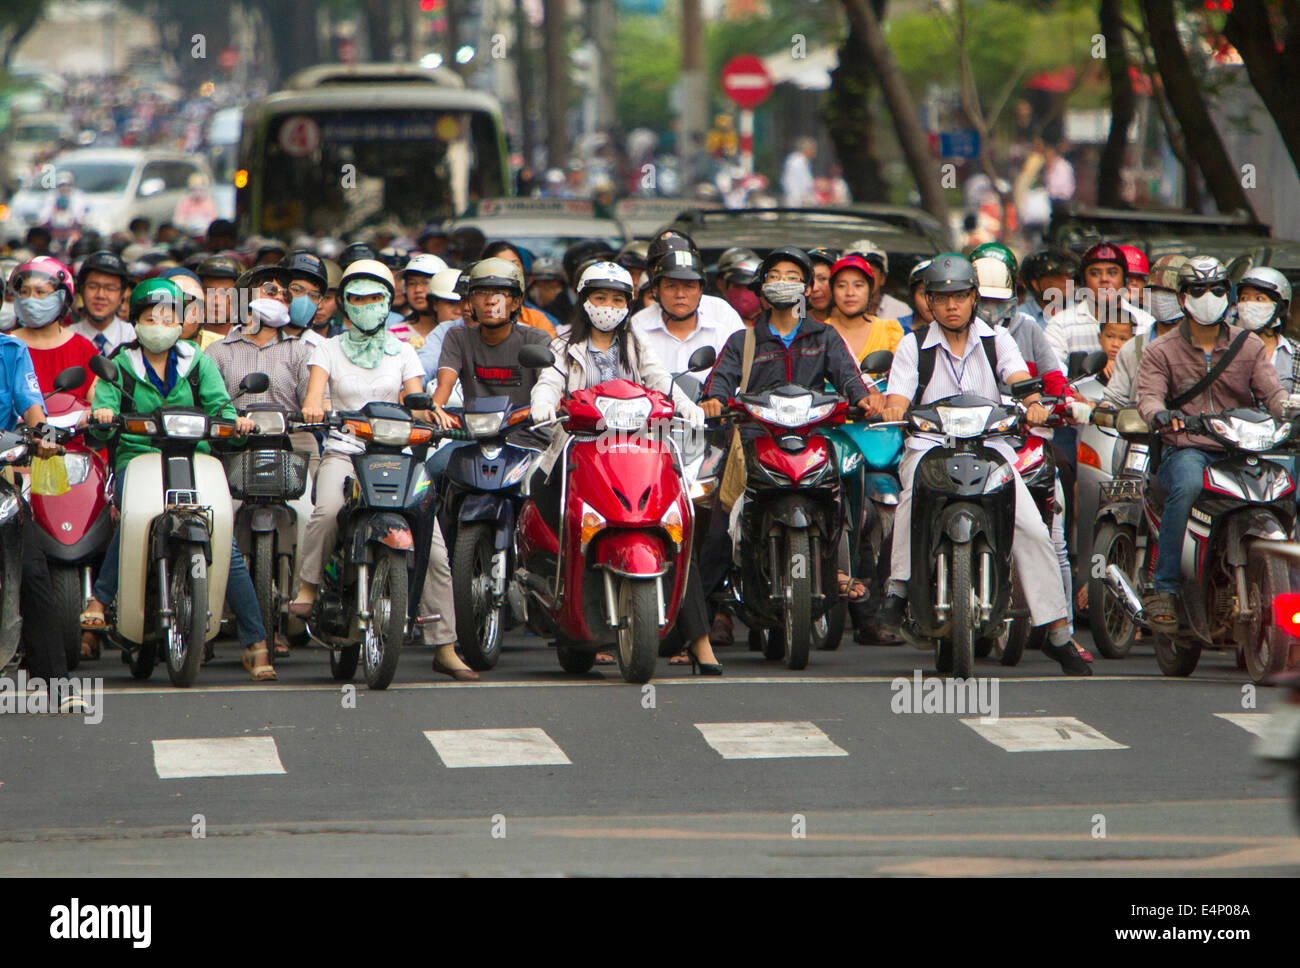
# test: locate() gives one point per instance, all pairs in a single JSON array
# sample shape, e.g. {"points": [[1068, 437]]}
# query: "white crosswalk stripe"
{"points": [[762, 741], [495, 747], [1037, 734], [1250, 722], [229, 756]]}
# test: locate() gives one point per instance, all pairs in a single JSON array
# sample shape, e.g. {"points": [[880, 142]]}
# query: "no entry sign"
{"points": [[745, 80]]}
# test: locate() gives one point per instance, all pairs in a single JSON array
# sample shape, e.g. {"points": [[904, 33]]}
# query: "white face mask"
{"points": [[1207, 309], [1255, 316], [1165, 306], [604, 318]]}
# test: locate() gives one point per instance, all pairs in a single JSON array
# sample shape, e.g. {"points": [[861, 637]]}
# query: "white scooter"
{"points": [[176, 526]]}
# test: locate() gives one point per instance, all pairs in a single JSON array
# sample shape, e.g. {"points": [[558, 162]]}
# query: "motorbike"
{"points": [[361, 612], [74, 528], [791, 520], [176, 525], [964, 493], [614, 570], [269, 480], [1279, 741], [1229, 575], [478, 507]]}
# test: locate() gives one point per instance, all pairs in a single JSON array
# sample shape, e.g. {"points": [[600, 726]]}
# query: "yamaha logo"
{"points": [[67, 525]]}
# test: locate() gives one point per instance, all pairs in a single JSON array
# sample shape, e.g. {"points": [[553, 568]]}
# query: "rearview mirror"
{"points": [[1025, 387], [1074, 365], [151, 186], [690, 386], [702, 359], [535, 356], [254, 383], [418, 401], [69, 379], [1095, 362], [878, 362], [103, 367]]}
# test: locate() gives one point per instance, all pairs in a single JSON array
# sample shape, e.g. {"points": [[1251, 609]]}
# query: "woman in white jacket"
{"points": [[601, 346]]}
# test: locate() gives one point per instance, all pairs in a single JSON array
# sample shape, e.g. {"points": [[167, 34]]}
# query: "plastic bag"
{"points": [[49, 476]]}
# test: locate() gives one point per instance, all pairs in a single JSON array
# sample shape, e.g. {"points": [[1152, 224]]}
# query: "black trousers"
{"points": [[42, 643]]}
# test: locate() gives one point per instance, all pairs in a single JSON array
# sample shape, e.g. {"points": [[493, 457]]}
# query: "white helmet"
{"points": [[443, 285], [367, 269], [1267, 279], [1255, 315], [605, 275], [424, 264], [994, 277], [868, 250]]}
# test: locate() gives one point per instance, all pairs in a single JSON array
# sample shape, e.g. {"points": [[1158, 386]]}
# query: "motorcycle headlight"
{"points": [[929, 426], [393, 433], [625, 415], [268, 422], [482, 424], [964, 421], [14, 453], [78, 466], [790, 411], [1249, 435], [1005, 424], [1001, 476], [187, 426]]}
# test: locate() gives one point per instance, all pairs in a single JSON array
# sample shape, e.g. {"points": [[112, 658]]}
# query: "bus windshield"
{"points": [[336, 171]]}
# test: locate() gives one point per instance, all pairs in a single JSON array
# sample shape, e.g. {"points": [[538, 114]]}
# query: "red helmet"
{"points": [[1136, 260], [855, 262], [1103, 252], [50, 268]]}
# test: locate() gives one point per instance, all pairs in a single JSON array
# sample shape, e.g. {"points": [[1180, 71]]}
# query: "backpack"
{"points": [[926, 357]]}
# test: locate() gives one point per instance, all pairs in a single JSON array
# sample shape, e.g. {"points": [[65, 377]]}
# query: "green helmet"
{"points": [[153, 292], [996, 250]]}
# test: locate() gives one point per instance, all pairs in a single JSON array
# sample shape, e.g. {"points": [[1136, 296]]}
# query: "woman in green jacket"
{"points": [[159, 369]]}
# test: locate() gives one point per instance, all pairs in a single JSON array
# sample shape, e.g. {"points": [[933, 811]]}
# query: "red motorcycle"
{"points": [[74, 528], [609, 573]]}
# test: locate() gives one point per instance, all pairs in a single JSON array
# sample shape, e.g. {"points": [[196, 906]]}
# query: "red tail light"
{"points": [[1286, 612]]}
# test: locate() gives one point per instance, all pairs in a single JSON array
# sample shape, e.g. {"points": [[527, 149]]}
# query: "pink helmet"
{"points": [[50, 268], [1136, 260]]}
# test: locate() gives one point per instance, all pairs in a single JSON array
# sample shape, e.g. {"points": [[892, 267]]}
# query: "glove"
{"points": [[542, 411], [1079, 411], [1164, 418], [692, 414]]}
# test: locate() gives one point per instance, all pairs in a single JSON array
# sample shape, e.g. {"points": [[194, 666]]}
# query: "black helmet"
{"points": [[949, 272], [786, 253], [546, 267], [357, 250], [824, 255], [679, 264], [395, 259], [583, 253], [634, 255], [85, 245], [219, 267], [303, 265], [259, 274], [466, 243], [1048, 262], [669, 240], [269, 246], [106, 262]]}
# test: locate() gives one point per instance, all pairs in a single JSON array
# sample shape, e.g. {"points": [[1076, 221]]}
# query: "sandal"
{"points": [[281, 648], [301, 609], [1160, 612], [849, 584], [261, 671], [605, 658], [94, 621], [681, 658]]}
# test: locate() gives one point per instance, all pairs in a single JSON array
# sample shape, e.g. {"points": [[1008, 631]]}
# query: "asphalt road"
{"points": [[764, 771]]}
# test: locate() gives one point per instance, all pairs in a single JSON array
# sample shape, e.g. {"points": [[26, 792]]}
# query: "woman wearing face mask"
{"points": [[1264, 307], [852, 280], [42, 295], [601, 346], [367, 363], [160, 369]]}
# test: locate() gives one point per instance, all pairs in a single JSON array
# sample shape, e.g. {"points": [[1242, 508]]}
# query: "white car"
{"points": [[31, 135], [119, 184]]}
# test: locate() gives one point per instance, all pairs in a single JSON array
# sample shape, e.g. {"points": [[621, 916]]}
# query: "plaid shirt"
{"points": [[284, 360]]}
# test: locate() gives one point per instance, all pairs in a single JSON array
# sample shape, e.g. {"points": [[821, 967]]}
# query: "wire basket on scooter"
{"points": [[1122, 489], [266, 473]]}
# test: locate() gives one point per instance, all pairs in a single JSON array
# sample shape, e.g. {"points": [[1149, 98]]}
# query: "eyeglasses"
{"points": [[783, 277], [1200, 289], [272, 290], [101, 287], [945, 297], [298, 289]]}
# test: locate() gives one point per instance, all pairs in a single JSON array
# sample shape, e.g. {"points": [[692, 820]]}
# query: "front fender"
{"points": [[792, 512], [882, 488], [1121, 512], [961, 524], [390, 530], [489, 508], [1258, 523], [632, 554]]}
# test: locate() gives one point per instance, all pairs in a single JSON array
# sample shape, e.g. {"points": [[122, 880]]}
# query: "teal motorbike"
{"points": [[867, 456]]}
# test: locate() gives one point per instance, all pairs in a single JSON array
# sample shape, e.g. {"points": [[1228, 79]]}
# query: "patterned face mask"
{"points": [[782, 294], [605, 318]]}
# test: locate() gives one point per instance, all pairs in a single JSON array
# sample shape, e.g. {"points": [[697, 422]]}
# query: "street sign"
{"points": [[964, 143], [745, 80], [299, 136]]}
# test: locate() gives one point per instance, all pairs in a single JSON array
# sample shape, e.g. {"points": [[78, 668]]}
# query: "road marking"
{"points": [[230, 756], [1038, 734], [765, 741], [1250, 722], [528, 746]]}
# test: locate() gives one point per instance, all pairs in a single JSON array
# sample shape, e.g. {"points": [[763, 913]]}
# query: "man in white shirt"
{"points": [[797, 176], [103, 283], [683, 319], [964, 350], [1103, 274]]}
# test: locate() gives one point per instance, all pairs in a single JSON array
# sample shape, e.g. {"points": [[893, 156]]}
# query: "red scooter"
{"points": [[614, 571], [74, 528]]}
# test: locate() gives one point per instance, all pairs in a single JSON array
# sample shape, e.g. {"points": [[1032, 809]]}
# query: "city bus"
{"points": [[344, 147]]}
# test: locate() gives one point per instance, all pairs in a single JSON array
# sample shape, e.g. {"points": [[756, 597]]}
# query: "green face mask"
{"points": [[367, 349]]}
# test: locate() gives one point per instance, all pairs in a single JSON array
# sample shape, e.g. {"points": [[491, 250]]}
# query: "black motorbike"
{"points": [[361, 611], [479, 503]]}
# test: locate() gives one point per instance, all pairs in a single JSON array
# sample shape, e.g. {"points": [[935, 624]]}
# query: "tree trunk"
{"points": [[849, 121], [524, 79], [911, 136], [379, 25], [1273, 72], [557, 85], [1188, 104], [1121, 107]]}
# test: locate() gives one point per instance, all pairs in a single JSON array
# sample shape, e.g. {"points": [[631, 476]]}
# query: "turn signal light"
{"points": [[144, 427], [421, 435], [1089, 456], [221, 430], [592, 522], [359, 428], [672, 523]]}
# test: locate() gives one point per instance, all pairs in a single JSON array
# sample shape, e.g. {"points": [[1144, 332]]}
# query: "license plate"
{"points": [[1136, 460], [1280, 737]]}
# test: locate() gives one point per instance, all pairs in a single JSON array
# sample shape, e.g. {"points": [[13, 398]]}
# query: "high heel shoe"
{"points": [[704, 668]]}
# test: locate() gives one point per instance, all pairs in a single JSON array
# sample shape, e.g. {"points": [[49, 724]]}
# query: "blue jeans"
{"points": [[239, 591], [1182, 471]]}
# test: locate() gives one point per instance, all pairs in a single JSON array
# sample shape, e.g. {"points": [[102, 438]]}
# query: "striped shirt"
{"points": [[285, 361]]}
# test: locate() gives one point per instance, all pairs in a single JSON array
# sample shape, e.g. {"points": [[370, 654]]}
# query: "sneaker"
{"points": [[1072, 663], [892, 610]]}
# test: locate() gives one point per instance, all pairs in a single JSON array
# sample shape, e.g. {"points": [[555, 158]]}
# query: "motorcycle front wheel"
{"points": [[1174, 659], [797, 607], [1112, 629], [388, 594], [961, 637], [265, 587], [1269, 647], [66, 583], [478, 620], [638, 632], [188, 590]]}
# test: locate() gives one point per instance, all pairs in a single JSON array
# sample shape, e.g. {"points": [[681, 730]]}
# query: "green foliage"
{"points": [[647, 63]]}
